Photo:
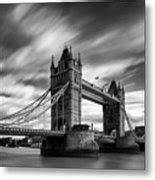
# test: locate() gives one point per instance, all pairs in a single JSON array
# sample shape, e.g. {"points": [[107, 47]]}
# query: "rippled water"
{"points": [[27, 157]]}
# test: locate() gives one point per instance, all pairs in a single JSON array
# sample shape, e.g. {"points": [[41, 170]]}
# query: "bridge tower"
{"points": [[113, 111], [68, 109]]}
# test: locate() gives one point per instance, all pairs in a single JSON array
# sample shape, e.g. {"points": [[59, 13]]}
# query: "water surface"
{"points": [[27, 157]]}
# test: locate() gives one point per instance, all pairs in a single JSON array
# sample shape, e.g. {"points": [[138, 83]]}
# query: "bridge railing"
{"points": [[29, 132], [92, 85]]}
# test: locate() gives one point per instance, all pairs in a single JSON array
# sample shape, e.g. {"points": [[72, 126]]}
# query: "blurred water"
{"points": [[27, 157]]}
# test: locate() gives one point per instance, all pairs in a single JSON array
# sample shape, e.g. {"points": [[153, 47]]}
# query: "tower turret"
{"points": [[121, 94], [68, 110], [113, 91], [65, 54], [79, 60], [70, 48], [52, 65]]}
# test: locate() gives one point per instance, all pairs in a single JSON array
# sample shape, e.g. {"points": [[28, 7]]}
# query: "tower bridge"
{"points": [[69, 69], [67, 88]]}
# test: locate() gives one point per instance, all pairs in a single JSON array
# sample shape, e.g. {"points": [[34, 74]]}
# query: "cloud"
{"points": [[3, 94], [10, 31], [110, 37], [116, 68], [37, 83]]}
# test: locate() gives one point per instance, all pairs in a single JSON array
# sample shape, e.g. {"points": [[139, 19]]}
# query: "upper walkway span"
{"points": [[93, 93]]}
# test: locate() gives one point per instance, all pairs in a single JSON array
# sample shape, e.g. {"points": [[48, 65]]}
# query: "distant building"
{"points": [[5, 141]]}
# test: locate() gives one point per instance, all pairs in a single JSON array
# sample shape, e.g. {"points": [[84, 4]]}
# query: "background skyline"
{"points": [[109, 36]]}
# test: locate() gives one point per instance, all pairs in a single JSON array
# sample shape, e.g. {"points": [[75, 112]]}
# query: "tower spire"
{"points": [[79, 59], [119, 85], [52, 63], [70, 49], [65, 46], [123, 87]]}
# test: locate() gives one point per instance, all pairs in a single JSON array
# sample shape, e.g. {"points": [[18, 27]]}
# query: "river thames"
{"points": [[28, 157]]}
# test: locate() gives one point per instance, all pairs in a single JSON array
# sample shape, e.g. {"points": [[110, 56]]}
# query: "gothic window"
{"points": [[111, 116], [76, 63], [66, 65], [76, 78]]}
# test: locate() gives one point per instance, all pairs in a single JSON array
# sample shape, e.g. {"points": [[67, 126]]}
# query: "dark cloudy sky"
{"points": [[109, 36]]}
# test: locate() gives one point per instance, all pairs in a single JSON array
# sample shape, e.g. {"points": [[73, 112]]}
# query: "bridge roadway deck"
{"points": [[29, 132], [12, 131]]}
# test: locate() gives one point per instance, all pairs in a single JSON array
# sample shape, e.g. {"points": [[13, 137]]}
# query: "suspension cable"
{"points": [[17, 113], [54, 99], [129, 125], [26, 113]]}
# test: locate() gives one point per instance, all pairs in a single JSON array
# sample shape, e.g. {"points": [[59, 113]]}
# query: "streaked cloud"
{"points": [[109, 36]]}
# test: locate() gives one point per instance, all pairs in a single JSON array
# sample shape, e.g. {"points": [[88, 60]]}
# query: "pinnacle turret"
{"points": [[65, 54], [70, 48], [79, 59], [52, 63]]}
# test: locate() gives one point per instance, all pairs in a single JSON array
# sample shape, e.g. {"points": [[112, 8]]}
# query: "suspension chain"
{"points": [[28, 113], [130, 126]]}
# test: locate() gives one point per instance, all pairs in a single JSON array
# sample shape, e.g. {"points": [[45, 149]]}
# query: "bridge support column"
{"points": [[121, 128], [114, 118], [103, 117], [111, 118]]}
